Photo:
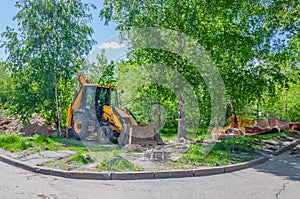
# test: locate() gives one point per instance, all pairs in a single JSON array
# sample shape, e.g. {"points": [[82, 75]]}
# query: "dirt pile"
{"points": [[38, 125], [10, 125]]}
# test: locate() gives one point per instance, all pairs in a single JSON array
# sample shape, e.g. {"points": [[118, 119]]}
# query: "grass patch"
{"points": [[82, 157], [114, 162], [16, 143], [68, 142], [76, 145], [217, 157], [76, 161], [168, 133], [236, 150]]}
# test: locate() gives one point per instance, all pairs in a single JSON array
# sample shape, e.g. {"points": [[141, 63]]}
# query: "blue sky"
{"points": [[101, 32]]}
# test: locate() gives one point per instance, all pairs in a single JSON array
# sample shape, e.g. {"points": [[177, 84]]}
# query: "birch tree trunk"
{"points": [[181, 117], [57, 108]]}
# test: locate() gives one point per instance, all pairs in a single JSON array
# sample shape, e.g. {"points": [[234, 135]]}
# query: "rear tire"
{"points": [[80, 126], [105, 135]]}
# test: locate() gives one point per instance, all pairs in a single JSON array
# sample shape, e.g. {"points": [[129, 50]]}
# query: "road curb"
{"points": [[245, 165], [209, 171], [88, 175], [173, 174], [286, 148], [132, 175], [17, 163]]}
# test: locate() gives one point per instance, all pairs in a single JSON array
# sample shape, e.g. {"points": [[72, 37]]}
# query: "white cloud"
{"points": [[113, 45]]}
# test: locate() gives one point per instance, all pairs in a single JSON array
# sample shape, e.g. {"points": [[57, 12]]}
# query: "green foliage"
{"points": [[4, 84], [245, 40], [44, 53], [168, 133], [101, 71]]}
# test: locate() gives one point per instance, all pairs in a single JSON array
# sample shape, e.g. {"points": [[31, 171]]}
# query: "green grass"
{"points": [[109, 163], [16, 143], [168, 133], [217, 157], [74, 162], [37, 143], [82, 157], [229, 151], [68, 142], [75, 145]]}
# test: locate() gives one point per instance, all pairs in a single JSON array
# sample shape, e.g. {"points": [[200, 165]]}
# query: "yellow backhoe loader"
{"points": [[95, 110]]}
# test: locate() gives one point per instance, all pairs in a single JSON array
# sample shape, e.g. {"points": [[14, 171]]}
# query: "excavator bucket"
{"points": [[140, 134]]}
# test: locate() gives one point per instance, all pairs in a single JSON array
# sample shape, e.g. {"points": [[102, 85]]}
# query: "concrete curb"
{"points": [[286, 148], [209, 171], [132, 175], [173, 174]]}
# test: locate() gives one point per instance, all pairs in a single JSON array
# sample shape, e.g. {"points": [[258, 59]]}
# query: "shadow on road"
{"points": [[284, 165]]}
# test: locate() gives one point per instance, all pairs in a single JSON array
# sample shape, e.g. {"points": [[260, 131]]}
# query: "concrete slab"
{"points": [[287, 147], [46, 156]]}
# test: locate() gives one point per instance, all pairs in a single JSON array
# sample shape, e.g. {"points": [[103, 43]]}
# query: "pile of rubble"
{"points": [[38, 125], [261, 126], [10, 125]]}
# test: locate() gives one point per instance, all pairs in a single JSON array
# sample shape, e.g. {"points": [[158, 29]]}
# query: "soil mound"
{"points": [[38, 125], [10, 125]]}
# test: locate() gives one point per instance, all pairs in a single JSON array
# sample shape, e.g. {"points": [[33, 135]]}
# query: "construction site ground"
{"points": [[147, 158]]}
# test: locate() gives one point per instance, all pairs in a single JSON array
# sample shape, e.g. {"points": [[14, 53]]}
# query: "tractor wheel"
{"points": [[80, 126], [105, 135]]}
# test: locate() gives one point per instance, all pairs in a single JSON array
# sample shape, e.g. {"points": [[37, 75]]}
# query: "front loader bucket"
{"points": [[144, 135]]}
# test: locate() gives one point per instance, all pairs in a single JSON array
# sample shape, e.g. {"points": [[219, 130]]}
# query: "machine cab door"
{"points": [[88, 99]]}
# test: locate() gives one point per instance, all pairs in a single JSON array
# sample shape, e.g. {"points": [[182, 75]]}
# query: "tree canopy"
{"points": [[244, 39], [45, 51], [253, 44]]}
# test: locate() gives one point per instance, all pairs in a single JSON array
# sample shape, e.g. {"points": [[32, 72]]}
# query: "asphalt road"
{"points": [[277, 178]]}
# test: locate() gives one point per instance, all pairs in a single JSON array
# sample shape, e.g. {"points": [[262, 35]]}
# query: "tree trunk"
{"points": [[181, 111], [181, 117], [235, 119], [57, 107], [62, 104]]}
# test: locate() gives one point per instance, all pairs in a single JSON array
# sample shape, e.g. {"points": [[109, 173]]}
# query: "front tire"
{"points": [[105, 135], [80, 126]]}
